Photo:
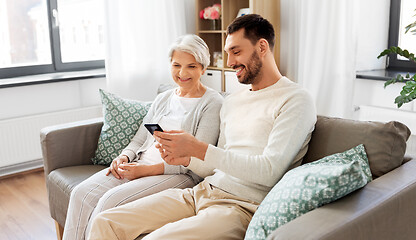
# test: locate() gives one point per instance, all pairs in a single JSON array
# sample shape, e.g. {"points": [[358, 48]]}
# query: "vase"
{"points": [[215, 24]]}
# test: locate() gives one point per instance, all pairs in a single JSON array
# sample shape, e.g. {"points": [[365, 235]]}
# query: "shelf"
{"points": [[215, 39], [211, 31], [214, 68]]}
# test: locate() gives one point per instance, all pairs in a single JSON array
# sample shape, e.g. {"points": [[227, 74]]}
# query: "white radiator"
{"points": [[371, 113], [19, 137]]}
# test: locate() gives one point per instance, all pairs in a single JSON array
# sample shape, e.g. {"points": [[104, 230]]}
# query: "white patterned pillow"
{"points": [[122, 119], [310, 186]]}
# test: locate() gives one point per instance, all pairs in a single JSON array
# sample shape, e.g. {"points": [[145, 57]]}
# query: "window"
{"points": [[402, 13], [44, 36]]}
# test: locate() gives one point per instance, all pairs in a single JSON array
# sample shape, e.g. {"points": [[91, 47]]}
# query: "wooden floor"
{"points": [[24, 211]]}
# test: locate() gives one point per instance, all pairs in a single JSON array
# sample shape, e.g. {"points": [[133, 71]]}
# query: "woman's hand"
{"points": [[114, 166], [184, 161], [136, 170]]}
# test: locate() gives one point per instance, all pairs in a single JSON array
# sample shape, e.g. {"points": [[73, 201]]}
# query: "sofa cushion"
{"points": [[60, 183], [310, 186], [122, 119], [385, 143]]}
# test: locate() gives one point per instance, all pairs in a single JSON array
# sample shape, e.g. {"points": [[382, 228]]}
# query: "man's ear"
{"points": [[264, 46]]}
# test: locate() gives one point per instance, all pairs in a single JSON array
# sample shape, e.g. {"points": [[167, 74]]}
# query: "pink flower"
{"points": [[213, 12], [215, 15], [207, 13]]}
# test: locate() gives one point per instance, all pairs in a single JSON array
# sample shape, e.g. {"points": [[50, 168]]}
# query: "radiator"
{"points": [[19, 137], [371, 113]]}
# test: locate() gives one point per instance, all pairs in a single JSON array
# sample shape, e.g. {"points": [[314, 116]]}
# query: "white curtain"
{"points": [[138, 35], [318, 50]]}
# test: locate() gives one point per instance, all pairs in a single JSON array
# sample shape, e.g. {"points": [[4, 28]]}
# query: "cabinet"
{"points": [[212, 79], [269, 9]]}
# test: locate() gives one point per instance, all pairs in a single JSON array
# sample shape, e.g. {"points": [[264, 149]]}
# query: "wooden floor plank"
{"points": [[24, 210]]}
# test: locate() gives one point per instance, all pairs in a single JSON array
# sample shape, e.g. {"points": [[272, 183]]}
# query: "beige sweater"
{"points": [[262, 135]]}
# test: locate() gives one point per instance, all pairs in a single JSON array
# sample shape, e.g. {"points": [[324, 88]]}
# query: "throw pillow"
{"points": [[122, 119], [310, 186], [385, 143]]}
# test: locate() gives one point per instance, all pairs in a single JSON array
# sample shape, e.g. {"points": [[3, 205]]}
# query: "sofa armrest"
{"points": [[383, 209], [69, 144]]}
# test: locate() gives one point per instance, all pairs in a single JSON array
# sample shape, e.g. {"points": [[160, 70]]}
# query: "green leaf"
{"points": [[391, 81], [397, 50], [413, 94], [409, 84], [384, 53], [410, 26], [399, 101], [406, 53]]}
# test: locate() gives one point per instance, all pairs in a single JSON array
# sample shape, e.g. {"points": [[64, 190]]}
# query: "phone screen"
{"points": [[152, 127]]}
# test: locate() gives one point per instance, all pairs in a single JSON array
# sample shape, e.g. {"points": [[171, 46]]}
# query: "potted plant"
{"points": [[212, 13], [408, 92]]}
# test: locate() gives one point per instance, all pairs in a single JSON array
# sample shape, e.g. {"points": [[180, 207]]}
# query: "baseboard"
{"points": [[7, 171]]}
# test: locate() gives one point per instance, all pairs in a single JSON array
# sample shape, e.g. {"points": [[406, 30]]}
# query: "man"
{"points": [[264, 132]]}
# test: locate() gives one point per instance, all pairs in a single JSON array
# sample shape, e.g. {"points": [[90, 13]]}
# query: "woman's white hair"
{"points": [[193, 45]]}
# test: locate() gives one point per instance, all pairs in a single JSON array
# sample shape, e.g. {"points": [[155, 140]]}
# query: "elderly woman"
{"points": [[139, 170]]}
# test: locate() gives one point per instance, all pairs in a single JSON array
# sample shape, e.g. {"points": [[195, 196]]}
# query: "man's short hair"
{"points": [[255, 27]]}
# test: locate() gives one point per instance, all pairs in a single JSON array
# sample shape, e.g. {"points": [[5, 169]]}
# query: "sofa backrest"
{"points": [[385, 143]]}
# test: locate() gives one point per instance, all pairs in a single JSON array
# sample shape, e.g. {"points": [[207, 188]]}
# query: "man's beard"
{"points": [[252, 70]]}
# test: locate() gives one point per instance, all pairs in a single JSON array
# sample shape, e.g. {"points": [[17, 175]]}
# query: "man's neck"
{"points": [[269, 75]]}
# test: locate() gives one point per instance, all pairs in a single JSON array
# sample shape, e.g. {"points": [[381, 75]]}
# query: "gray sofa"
{"points": [[383, 209]]}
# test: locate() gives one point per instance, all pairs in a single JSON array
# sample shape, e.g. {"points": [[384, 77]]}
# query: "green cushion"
{"points": [[122, 119], [310, 186]]}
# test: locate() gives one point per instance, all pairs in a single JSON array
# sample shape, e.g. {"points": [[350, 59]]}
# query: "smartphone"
{"points": [[152, 127]]}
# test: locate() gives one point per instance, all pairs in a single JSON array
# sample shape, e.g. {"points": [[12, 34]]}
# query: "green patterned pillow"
{"points": [[310, 186], [122, 119]]}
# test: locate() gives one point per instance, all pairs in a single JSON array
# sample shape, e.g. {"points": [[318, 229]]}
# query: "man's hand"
{"points": [[179, 145], [113, 169]]}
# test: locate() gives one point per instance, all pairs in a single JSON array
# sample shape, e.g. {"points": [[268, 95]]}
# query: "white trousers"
{"points": [[100, 192]]}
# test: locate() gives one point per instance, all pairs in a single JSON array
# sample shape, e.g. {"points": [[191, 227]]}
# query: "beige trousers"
{"points": [[202, 212]]}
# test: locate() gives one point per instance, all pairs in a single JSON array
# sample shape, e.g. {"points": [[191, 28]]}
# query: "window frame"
{"points": [[57, 65], [393, 63]]}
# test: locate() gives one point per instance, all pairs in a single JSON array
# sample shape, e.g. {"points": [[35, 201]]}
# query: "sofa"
{"points": [[383, 209]]}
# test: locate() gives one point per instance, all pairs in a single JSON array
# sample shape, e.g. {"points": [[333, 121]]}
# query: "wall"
{"points": [[25, 110], [373, 27], [372, 39], [51, 97]]}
